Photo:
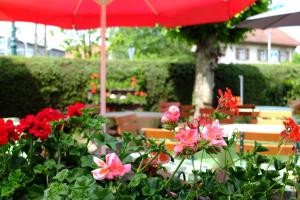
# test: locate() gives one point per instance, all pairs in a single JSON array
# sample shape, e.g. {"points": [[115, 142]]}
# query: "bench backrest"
{"points": [[127, 123], [164, 106], [186, 111], [273, 117], [246, 141], [161, 134]]}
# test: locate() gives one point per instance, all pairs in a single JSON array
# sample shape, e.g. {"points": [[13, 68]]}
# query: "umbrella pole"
{"points": [[103, 61]]}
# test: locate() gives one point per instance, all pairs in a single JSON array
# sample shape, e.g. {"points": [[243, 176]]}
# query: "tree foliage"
{"points": [[148, 42], [222, 32], [82, 44], [296, 58]]}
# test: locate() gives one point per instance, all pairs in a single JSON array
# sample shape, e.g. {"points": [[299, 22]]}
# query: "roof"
{"points": [[279, 38]]}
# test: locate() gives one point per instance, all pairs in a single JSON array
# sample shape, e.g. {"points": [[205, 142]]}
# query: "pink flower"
{"points": [[187, 139], [214, 133], [112, 168], [172, 115]]}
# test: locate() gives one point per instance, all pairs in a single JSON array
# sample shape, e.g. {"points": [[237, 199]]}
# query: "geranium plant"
{"points": [[55, 155]]}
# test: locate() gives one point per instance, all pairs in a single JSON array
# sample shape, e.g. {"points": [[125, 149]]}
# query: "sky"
{"points": [[25, 31]]}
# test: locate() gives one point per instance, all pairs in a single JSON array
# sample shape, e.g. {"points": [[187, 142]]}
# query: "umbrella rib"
{"points": [[278, 20], [76, 11], [151, 7]]}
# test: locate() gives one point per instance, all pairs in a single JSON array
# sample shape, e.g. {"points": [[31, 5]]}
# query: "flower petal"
{"points": [[99, 162], [99, 174]]}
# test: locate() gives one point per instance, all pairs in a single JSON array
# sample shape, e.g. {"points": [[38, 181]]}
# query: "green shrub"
{"points": [[29, 84]]}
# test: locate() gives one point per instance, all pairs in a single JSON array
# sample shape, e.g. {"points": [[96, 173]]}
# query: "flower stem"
{"points": [[216, 161], [149, 162], [201, 160], [30, 151], [167, 183]]}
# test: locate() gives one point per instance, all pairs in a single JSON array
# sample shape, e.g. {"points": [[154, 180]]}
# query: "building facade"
{"points": [[254, 49], [27, 49]]}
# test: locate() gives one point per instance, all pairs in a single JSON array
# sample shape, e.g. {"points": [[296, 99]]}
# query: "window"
{"points": [[242, 53], [262, 55], [283, 56]]}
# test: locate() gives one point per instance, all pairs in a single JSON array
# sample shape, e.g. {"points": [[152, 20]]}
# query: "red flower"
{"points": [[39, 125], [25, 123], [3, 133], [133, 81], [292, 130], [49, 114], [11, 130], [94, 88], [228, 101], [41, 129], [75, 110], [94, 76]]}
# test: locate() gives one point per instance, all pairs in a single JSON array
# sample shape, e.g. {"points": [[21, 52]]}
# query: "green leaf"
{"points": [[17, 162], [50, 164], [152, 185], [15, 180], [260, 159], [297, 186], [62, 175], [108, 140], [67, 139], [104, 194], [137, 179], [259, 196], [87, 161], [259, 148], [35, 192], [75, 173], [56, 191], [278, 164]]}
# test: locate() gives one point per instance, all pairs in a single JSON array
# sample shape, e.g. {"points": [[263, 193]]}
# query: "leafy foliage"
{"points": [[155, 44], [27, 85], [221, 32]]}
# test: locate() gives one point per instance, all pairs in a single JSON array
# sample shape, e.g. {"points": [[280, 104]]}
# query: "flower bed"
{"points": [[52, 155]]}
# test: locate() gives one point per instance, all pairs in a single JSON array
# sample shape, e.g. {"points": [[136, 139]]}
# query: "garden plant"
{"points": [[55, 155]]}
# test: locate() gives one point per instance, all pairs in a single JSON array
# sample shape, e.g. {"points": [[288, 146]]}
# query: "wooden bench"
{"points": [[127, 123], [164, 106], [246, 142], [161, 134], [206, 112], [186, 111], [272, 117]]}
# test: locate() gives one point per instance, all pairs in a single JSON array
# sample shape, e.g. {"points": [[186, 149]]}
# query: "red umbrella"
{"points": [[86, 14]]}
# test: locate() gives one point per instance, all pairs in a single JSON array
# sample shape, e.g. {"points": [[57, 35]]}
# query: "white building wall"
{"points": [[230, 54]]}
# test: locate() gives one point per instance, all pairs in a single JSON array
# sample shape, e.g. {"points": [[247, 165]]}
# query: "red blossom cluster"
{"points": [[140, 93], [133, 81], [93, 88], [291, 131], [75, 110], [8, 132], [228, 101], [40, 125], [94, 76]]}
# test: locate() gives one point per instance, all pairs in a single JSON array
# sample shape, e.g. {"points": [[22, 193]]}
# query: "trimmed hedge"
{"points": [[29, 84]]}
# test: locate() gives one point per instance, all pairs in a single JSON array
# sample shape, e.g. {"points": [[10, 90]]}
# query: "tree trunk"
{"points": [[207, 58]]}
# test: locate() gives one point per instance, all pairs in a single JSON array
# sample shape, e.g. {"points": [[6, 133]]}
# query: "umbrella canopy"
{"points": [[86, 14], [285, 16]]}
